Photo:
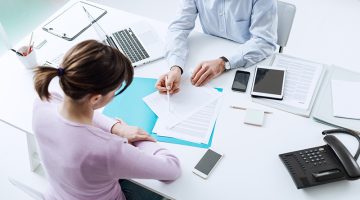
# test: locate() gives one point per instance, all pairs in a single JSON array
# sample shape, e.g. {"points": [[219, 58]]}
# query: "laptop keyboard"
{"points": [[130, 45]]}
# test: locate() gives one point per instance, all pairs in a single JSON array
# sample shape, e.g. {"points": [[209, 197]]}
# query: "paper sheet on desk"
{"points": [[301, 79], [197, 128], [186, 102], [346, 99]]}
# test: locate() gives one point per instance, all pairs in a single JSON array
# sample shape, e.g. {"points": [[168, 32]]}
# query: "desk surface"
{"points": [[250, 169]]}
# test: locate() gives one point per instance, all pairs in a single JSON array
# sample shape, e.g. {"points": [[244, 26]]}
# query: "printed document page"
{"points": [[197, 128], [302, 78], [183, 104], [346, 99]]}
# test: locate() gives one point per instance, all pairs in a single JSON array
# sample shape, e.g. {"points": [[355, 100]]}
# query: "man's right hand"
{"points": [[173, 81]]}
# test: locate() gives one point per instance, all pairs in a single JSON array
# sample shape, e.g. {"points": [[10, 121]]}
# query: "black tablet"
{"points": [[269, 82]]}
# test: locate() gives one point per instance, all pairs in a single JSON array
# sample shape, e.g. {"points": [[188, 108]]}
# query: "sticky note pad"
{"points": [[254, 117]]}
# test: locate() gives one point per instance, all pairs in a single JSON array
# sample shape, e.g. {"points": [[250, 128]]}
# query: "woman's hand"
{"points": [[132, 133]]}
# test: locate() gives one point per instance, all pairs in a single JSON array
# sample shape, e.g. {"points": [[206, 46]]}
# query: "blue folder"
{"points": [[130, 107]]}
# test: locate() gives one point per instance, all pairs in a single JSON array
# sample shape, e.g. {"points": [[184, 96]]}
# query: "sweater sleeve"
{"points": [[103, 122], [145, 160]]}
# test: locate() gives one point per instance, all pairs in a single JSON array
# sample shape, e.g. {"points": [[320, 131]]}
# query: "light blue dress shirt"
{"points": [[251, 23]]}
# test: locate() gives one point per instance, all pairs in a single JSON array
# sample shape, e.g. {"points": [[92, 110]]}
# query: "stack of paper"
{"points": [[192, 115], [303, 80], [346, 99]]}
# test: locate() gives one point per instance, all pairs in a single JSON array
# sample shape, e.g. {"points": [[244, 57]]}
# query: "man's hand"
{"points": [[132, 133], [173, 81], [206, 71]]}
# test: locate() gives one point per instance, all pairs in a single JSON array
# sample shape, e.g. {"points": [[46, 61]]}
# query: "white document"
{"points": [[301, 84], [197, 128], [183, 104], [301, 80], [346, 99]]}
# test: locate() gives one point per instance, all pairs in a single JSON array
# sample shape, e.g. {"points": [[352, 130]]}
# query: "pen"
{"points": [[167, 92], [242, 108], [18, 53], [31, 37], [31, 47]]}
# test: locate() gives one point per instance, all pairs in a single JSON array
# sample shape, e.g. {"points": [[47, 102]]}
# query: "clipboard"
{"points": [[67, 26]]}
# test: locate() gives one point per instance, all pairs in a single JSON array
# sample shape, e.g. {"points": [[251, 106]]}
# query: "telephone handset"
{"points": [[323, 164]]}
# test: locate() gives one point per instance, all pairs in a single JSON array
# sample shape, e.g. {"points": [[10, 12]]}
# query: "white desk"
{"points": [[250, 169]]}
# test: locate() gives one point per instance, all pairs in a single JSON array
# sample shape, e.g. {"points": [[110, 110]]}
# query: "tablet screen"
{"points": [[269, 81]]}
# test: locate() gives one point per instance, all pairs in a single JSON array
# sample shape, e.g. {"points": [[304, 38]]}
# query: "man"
{"points": [[251, 23]]}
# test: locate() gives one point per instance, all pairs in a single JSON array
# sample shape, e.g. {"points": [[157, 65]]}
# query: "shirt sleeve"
{"points": [[263, 30], [178, 32], [145, 160], [103, 122]]}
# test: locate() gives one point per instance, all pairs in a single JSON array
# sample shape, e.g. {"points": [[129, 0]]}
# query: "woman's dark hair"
{"points": [[90, 67]]}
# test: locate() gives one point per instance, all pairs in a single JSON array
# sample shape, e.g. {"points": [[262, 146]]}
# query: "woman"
{"points": [[84, 152]]}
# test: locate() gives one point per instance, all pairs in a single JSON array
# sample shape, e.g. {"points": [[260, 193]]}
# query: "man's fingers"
{"points": [[198, 75], [175, 91], [161, 81], [162, 90], [160, 84], [206, 80], [169, 83], [202, 78], [196, 70]]}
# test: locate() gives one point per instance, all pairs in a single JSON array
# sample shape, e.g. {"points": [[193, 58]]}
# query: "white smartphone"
{"points": [[207, 163]]}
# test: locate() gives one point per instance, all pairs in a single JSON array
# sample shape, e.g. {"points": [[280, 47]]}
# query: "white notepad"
{"points": [[254, 117], [346, 99]]}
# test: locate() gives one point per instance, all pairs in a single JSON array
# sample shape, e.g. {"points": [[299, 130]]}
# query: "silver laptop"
{"points": [[139, 42]]}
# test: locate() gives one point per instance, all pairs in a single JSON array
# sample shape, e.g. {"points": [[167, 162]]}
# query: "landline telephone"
{"points": [[323, 164]]}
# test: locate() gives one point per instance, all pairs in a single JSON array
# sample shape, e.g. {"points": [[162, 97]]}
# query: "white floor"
{"points": [[14, 161], [326, 31]]}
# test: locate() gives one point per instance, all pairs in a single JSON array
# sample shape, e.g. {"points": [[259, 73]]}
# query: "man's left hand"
{"points": [[206, 71]]}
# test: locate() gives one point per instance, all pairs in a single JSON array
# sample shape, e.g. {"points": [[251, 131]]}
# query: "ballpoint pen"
{"points": [[29, 48], [167, 92], [242, 108], [18, 53]]}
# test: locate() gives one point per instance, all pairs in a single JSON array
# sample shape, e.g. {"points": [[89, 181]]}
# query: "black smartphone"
{"points": [[241, 80]]}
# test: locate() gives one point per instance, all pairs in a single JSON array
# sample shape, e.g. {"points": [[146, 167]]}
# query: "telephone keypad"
{"points": [[313, 156]]}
